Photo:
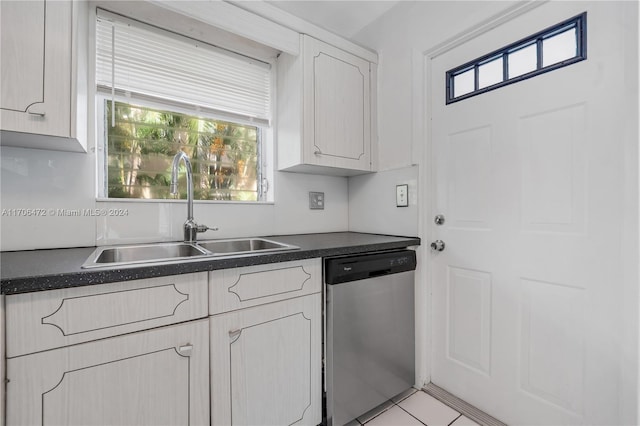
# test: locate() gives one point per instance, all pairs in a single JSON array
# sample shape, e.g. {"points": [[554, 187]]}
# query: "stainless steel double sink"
{"points": [[165, 252]]}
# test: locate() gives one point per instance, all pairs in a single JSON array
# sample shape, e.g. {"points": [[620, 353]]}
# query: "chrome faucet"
{"points": [[191, 228]]}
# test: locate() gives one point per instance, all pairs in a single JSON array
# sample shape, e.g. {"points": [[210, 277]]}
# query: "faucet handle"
{"points": [[205, 228], [191, 230]]}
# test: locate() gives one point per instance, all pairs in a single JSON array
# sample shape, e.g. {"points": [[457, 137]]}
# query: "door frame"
{"points": [[422, 146]]}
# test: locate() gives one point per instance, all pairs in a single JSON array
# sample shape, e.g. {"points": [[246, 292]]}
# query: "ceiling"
{"points": [[345, 18]]}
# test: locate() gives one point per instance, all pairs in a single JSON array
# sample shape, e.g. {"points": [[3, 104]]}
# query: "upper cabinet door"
{"points": [[326, 106], [43, 68], [36, 66], [22, 45], [337, 117]]}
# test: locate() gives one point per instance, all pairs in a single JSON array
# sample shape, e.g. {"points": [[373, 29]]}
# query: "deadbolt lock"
{"points": [[439, 219]]}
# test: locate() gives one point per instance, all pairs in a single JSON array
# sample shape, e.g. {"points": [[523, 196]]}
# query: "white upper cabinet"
{"points": [[43, 67], [325, 111]]}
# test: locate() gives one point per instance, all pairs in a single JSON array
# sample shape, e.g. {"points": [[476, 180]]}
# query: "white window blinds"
{"points": [[144, 62]]}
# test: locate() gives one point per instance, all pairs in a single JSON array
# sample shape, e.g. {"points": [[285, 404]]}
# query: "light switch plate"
{"points": [[402, 195], [316, 200]]}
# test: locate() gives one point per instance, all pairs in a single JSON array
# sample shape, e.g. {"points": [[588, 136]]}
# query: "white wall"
{"points": [[50, 180], [372, 203]]}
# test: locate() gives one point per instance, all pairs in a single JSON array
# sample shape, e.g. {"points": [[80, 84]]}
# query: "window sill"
{"points": [[181, 201]]}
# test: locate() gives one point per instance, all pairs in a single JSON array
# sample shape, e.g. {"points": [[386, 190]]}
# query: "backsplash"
{"points": [[48, 201], [41, 191], [290, 214]]}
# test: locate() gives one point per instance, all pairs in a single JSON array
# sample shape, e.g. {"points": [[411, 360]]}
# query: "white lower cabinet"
{"points": [[154, 377], [266, 364], [2, 362], [144, 352]]}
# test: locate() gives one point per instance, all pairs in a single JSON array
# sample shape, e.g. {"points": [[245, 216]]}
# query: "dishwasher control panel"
{"points": [[359, 267]]}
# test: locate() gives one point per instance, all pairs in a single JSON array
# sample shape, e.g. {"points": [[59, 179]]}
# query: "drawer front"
{"points": [[57, 318], [238, 288]]}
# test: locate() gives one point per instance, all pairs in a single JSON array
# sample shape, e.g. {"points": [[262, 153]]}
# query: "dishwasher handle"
{"points": [[352, 268], [380, 273]]}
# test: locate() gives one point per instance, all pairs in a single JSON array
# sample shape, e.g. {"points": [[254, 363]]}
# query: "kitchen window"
{"points": [[556, 47], [159, 92]]}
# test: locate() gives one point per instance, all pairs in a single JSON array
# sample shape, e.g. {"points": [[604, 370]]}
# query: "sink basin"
{"points": [[242, 246], [125, 255], [165, 252]]}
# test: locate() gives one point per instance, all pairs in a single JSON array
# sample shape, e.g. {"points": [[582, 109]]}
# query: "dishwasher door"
{"points": [[370, 338]]}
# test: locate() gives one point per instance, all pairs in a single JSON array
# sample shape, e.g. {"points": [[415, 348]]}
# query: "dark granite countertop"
{"points": [[37, 270]]}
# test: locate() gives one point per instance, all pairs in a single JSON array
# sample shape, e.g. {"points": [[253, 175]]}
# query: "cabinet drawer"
{"points": [[238, 288], [57, 318]]}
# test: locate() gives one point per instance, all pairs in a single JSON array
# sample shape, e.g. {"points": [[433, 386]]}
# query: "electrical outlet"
{"points": [[316, 200], [402, 195]]}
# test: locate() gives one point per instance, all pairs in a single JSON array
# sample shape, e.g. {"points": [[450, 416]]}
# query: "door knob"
{"points": [[437, 245]]}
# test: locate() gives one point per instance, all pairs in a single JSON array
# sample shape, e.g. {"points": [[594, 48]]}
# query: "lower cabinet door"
{"points": [[266, 364], [155, 377]]}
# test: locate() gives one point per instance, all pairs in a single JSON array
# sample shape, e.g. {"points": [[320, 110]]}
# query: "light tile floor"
{"points": [[416, 409]]}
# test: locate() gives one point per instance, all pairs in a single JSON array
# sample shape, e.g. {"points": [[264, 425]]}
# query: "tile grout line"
{"points": [[394, 403], [411, 414], [456, 419]]}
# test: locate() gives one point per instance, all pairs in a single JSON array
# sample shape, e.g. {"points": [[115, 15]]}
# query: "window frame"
{"points": [[265, 153], [266, 133], [578, 21]]}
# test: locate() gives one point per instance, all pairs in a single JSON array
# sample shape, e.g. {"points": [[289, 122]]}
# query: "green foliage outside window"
{"points": [[141, 146]]}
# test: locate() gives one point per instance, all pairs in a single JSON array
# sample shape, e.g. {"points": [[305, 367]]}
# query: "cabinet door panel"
{"points": [[237, 288], [22, 46], [36, 66], [156, 377], [337, 107], [266, 366], [51, 319]]}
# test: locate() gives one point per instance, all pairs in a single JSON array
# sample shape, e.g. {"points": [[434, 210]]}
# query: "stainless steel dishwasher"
{"points": [[370, 338]]}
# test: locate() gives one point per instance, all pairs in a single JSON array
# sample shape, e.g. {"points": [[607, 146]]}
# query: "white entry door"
{"points": [[528, 293]]}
